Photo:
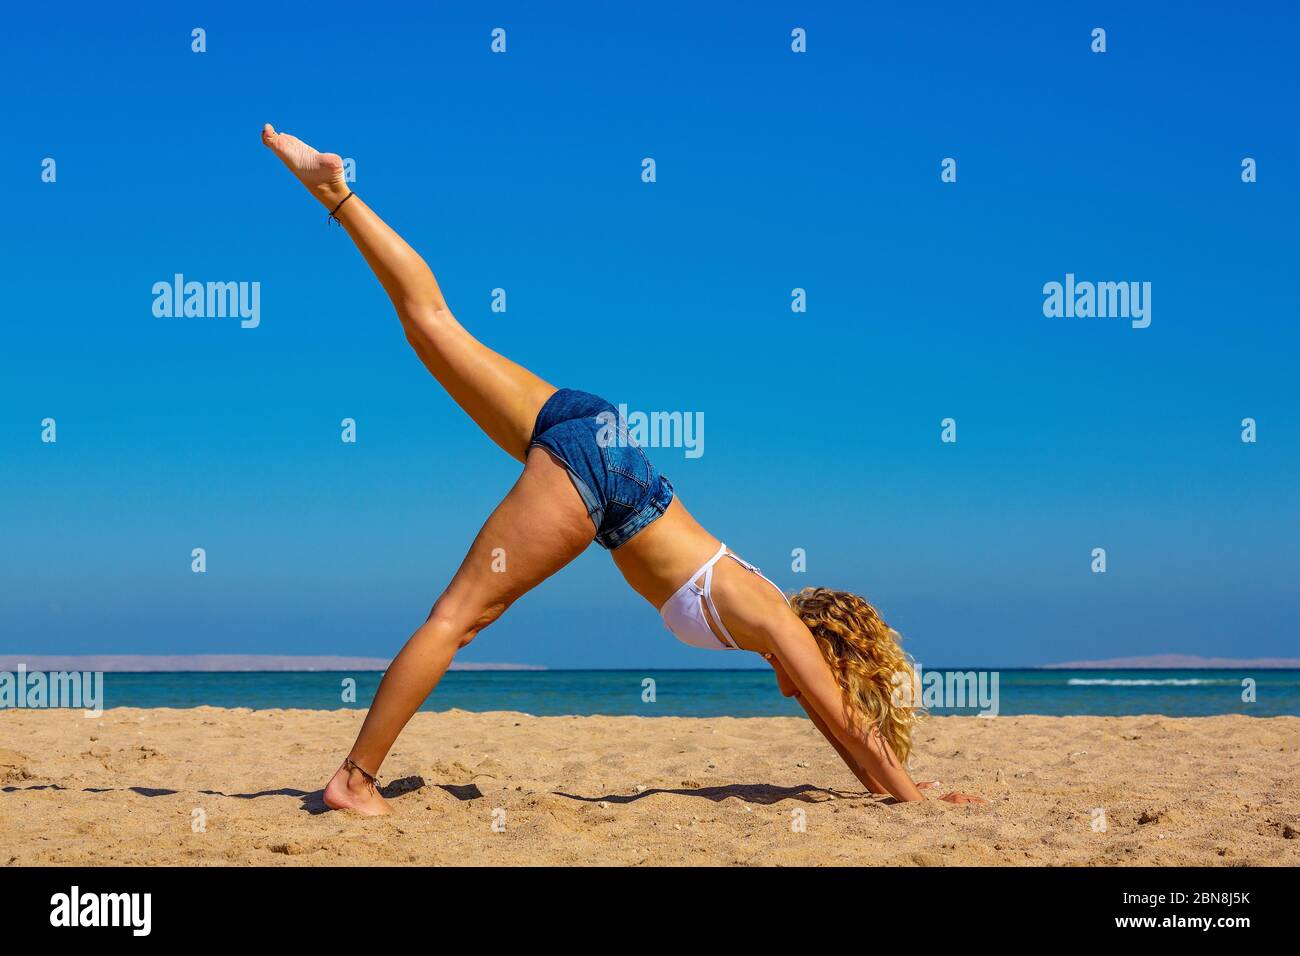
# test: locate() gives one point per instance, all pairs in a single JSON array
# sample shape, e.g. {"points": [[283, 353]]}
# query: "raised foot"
{"points": [[321, 173], [349, 790]]}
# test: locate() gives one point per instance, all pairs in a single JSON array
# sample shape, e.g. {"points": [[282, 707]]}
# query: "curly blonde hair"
{"points": [[874, 673]]}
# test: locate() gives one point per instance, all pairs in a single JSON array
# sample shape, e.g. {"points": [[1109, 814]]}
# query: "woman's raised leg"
{"points": [[500, 395], [538, 528]]}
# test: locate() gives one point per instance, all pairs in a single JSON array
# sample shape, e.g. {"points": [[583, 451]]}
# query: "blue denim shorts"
{"points": [[622, 490]]}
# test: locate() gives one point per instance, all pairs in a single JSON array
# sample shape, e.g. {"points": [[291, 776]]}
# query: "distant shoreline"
{"points": [[218, 663], [281, 663]]}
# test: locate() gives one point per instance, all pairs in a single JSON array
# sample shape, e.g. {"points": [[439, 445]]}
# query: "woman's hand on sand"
{"points": [[956, 797], [953, 797]]}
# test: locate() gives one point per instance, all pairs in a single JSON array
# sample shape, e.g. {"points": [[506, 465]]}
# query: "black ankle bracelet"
{"points": [[351, 764], [334, 218]]}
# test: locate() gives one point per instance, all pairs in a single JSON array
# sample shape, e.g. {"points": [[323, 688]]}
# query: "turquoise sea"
{"points": [[709, 693]]}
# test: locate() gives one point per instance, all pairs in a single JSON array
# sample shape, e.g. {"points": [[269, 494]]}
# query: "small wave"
{"points": [[1144, 681]]}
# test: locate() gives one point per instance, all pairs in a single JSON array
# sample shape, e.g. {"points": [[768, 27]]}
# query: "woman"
{"points": [[584, 480]]}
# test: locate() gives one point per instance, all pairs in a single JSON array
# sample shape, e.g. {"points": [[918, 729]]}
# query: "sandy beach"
{"points": [[213, 786]]}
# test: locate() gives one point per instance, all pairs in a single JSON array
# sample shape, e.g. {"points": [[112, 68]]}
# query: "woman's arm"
{"points": [[802, 673], [762, 621], [867, 780], [789, 690], [820, 694]]}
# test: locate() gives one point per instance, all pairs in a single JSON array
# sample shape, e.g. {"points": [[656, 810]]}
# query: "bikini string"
{"points": [[334, 218]]}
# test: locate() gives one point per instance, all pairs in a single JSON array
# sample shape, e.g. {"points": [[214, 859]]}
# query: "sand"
{"points": [[215, 786]]}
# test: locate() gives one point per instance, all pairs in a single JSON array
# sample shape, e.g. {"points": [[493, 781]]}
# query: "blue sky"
{"points": [[775, 170]]}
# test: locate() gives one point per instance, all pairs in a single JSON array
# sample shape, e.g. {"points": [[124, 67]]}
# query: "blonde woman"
{"points": [[584, 480]]}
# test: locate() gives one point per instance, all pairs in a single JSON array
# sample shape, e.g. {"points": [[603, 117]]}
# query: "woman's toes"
{"points": [[289, 148], [322, 173]]}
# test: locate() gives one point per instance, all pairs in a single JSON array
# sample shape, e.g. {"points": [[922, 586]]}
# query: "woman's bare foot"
{"points": [[321, 173], [348, 789]]}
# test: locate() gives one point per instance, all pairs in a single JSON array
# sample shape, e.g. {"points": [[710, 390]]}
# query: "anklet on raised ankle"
{"points": [[333, 218]]}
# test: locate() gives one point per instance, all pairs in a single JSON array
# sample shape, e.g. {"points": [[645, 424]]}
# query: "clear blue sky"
{"points": [[775, 170]]}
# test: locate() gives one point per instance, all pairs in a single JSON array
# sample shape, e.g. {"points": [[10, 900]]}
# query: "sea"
{"points": [[736, 693]]}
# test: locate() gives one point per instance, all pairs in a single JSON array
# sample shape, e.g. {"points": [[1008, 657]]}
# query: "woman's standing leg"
{"points": [[500, 395], [538, 528]]}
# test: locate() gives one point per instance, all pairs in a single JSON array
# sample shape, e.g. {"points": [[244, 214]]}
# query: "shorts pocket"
{"points": [[629, 473]]}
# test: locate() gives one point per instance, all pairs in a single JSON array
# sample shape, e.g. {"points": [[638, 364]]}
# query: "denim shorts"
{"points": [[622, 490]]}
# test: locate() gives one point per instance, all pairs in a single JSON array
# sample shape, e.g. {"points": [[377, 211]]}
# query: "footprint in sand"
{"points": [[13, 767]]}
